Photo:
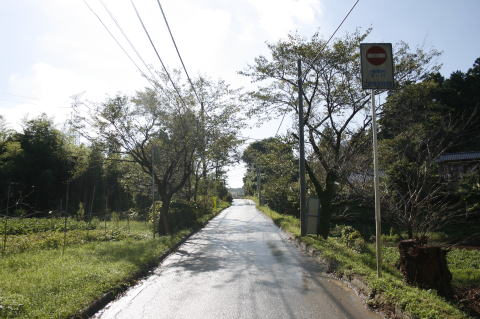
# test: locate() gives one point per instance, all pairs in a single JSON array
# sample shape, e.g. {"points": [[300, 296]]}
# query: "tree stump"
{"points": [[425, 267]]}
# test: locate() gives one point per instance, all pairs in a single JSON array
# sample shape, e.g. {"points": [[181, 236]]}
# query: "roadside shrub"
{"points": [[115, 218], [184, 214], [80, 212], [22, 226], [11, 306], [353, 239]]}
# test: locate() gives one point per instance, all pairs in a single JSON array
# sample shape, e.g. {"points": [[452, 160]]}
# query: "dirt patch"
{"points": [[469, 298]]}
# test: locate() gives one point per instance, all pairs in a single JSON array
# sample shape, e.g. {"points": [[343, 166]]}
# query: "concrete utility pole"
{"points": [[153, 191], [259, 186], [303, 224], [378, 224]]}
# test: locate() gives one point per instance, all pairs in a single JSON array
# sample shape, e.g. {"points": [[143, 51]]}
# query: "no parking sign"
{"points": [[377, 65]]}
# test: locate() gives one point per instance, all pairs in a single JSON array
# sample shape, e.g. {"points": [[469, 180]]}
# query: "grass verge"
{"points": [[389, 293], [43, 283]]}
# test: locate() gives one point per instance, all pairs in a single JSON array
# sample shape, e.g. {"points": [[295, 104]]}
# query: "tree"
{"points": [[45, 163], [336, 111], [273, 159], [157, 133], [419, 123], [221, 122], [411, 143]]}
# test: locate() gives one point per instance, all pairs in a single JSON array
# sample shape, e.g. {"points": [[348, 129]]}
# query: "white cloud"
{"points": [[278, 17]]}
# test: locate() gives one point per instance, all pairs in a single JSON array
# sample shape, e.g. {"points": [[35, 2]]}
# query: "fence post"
{"points": [[105, 222], [5, 235], [64, 234]]}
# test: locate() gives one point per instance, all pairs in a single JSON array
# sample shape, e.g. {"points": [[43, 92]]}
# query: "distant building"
{"points": [[453, 166]]}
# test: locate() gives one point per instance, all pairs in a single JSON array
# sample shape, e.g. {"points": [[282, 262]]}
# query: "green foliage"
{"points": [[353, 239], [154, 211], [80, 212], [115, 218], [469, 191], [337, 121], [11, 306], [19, 226], [273, 159], [465, 267]]}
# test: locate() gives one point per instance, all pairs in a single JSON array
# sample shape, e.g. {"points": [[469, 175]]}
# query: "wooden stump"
{"points": [[425, 267]]}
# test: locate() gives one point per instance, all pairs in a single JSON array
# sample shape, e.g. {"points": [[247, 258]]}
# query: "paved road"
{"points": [[240, 266]]}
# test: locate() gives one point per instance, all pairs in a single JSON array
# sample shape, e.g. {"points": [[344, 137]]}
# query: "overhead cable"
{"points": [[127, 38], [178, 52], [318, 54], [116, 40], [331, 37], [156, 52]]}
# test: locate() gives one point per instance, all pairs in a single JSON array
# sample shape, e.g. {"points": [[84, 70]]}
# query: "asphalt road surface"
{"points": [[239, 266]]}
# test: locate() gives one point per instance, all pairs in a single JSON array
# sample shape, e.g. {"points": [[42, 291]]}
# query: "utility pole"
{"points": [[378, 224], [206, 182], [303, 224], [153, 192], [259, 186]]}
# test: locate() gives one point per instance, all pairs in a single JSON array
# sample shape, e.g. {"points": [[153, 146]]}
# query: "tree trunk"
{"points": [[163, 225], [195, 187], [425, 267], [326, 198]]}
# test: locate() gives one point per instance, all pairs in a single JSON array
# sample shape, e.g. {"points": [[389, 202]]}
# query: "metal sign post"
{"points": [[378, 220], [377, 73]]}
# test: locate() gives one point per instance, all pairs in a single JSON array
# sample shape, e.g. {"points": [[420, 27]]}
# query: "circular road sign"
{"points": [[376, 55]]}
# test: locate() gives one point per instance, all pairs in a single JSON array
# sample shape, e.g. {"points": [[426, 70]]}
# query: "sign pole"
{"points": [[378, 224], [303, 217], [376, 60]]}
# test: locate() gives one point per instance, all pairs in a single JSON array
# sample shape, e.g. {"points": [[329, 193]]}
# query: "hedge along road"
{"points": [[239, 266]]}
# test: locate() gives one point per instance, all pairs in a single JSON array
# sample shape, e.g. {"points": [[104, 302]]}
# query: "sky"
{"points": [[54, 50]]}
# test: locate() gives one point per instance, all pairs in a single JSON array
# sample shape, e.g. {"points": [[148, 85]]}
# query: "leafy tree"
{"points": [[416, 128], [155, 130], [45, 162], [273, 159], [336, 108], [221, 122]]}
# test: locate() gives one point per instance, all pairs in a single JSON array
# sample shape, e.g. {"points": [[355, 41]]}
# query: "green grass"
{"points": [[388, 292], [43, 283], [47, 284], [465, 267]]}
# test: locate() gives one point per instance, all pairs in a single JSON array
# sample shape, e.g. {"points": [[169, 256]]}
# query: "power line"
{"points": [[115, 39], [281, 122], [333, 34], [153, 79], [319, 52], [126, 37], [156, 52], [178, 52]]}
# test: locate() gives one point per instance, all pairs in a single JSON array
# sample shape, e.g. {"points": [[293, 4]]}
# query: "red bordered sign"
{"points": [[377, 65]]}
